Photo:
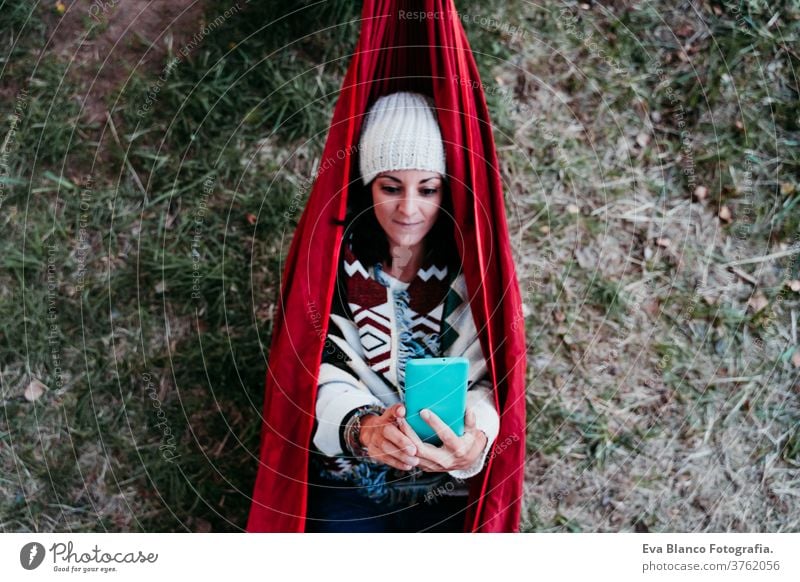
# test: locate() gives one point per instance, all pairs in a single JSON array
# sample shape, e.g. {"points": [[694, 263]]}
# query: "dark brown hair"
{"points": [[370, 244]]}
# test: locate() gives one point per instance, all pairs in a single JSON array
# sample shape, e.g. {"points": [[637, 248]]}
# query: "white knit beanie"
{"points": [[401, 133]]}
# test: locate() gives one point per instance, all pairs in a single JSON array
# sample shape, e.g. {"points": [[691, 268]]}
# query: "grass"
{"points": [[654, 390]]}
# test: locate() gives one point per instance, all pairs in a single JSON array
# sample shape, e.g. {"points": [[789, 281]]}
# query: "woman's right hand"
{"points": [[385, 442]]}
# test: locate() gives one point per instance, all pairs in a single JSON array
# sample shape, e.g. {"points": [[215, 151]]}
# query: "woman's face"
{"points": [[406, 204]]}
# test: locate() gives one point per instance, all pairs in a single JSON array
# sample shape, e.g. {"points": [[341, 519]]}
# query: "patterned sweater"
{"points": [[377, 322]]}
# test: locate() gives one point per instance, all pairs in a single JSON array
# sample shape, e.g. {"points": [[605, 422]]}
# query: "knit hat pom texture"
{"points": [[401, 133]]}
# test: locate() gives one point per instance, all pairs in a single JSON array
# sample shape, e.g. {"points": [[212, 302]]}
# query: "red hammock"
{"points": [[432, 56]]}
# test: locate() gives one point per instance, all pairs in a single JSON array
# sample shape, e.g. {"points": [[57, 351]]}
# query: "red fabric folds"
{"points": [[429, 55]]}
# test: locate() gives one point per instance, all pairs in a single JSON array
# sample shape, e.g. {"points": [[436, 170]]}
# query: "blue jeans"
{"points": [[333, 507]]}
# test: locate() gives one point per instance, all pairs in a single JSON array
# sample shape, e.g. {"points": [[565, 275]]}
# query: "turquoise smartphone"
{"points": [[440, 385]]}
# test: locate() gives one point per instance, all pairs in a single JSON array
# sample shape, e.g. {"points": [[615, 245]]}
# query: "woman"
{"points": [[435, 59], [399, 294]]}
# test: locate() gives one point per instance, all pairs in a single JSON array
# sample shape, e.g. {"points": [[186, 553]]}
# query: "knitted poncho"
{"points": [[377, 322]]}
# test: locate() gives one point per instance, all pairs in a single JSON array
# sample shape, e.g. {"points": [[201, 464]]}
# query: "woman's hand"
{"points": [[385, 442], [456, 452]]}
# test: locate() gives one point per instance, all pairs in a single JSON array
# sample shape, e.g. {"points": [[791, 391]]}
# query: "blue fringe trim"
{"points": [[409, 347]]}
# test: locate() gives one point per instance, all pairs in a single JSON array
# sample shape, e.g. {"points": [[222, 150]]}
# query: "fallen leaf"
{"points": [[201, 525], [264, 312], [170, 220], [758, 302], [725, 214], [586, 259], [701, 193], [559, 316], [34, 390], [651, 307], [663, 242], [787, 188]]}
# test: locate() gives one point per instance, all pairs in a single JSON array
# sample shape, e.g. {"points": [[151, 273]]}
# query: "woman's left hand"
{"points": [[455, 453]]}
